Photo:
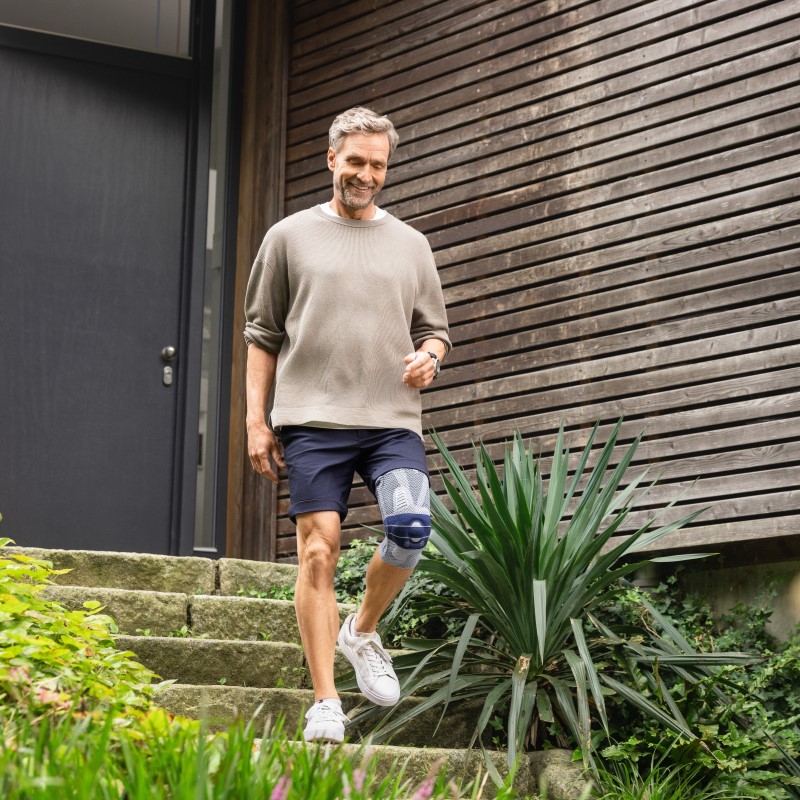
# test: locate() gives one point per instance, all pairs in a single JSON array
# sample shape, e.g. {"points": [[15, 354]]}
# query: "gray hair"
{"points": [[361, 120]]}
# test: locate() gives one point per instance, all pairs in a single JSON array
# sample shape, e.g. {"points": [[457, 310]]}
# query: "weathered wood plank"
{"points": [[733, 238], [417, 34], [773, 311], [328, 18], [638, 305], [667, 187], [613, 158], [704, 537], [569, 396], [641, 216], [670, 230], [649, 76], [330, 25], [522, 27], [497, 75], [708, 396]]}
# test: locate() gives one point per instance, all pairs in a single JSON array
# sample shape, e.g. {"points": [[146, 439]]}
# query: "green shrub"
{"points": [[528, 563], [161, 758], [747, 715], [54, 661]]}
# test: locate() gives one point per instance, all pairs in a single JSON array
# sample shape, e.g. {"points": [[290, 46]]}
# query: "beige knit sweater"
{"points": [[342, 302]]}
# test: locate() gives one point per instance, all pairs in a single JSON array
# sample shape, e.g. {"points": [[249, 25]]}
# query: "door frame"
{"points": [[197, 70]]}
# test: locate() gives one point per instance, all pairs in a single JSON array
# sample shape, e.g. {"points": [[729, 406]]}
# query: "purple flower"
{"points": [[425, 790], [281, 790], [358, 779], [426, 787]]}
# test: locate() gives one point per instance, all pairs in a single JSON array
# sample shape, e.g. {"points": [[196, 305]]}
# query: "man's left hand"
{"points": [[420, 370]]}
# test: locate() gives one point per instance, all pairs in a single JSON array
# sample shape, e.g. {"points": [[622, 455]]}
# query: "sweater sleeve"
{"points": [[267, 297], [429, 319]]}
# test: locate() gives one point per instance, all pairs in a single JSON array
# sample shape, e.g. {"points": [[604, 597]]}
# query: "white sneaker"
{"points": [[325, 722], [373, 665]]}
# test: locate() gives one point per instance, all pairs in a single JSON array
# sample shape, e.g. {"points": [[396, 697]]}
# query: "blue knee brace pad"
{"points": [[403, 498]]}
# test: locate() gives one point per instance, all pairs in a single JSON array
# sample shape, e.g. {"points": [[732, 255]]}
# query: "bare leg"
{"points": [[318, 541], [384, 583]]}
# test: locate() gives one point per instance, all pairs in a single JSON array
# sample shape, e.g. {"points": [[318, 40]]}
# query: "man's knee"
{"points": [[318, 542], [403, 497]]}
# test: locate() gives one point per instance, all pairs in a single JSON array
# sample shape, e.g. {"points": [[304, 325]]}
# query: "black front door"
{"points": [[96, 187]]}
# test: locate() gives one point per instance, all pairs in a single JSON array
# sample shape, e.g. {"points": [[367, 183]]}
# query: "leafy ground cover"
{"points": [[78, 722], [539, 628]]}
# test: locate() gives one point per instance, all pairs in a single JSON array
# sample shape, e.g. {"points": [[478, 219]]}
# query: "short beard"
{"points": [[356, 202]]}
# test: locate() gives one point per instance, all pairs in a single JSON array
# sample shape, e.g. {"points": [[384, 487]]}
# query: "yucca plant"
{"points": [[528, 562]]}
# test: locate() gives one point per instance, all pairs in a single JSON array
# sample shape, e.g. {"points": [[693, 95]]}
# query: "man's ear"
{"points": [[331, 159]]}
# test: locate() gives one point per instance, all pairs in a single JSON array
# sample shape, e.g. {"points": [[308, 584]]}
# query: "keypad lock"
{"points": [[168, 373]]}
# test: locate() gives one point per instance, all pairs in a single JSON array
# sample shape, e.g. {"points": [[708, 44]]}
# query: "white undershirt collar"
{"points": [[326, 207]]}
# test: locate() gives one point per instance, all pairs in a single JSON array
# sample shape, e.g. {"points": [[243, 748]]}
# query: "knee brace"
{"points": [[405, 507]]}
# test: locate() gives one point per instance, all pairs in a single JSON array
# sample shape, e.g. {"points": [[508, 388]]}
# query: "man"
{"points": [[345, 315]]}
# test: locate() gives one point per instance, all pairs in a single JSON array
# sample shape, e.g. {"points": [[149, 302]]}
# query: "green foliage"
{"points": [[77, 722], [403, 619], [527, 565], [349, 582], [174, 759], [185, 632], [747, 716], [270, 593], [623, 781], [54, 661]]}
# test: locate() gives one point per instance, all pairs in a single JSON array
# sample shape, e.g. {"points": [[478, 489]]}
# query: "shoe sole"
{"points": [[365, 690], [323, 740], [323, 735]]}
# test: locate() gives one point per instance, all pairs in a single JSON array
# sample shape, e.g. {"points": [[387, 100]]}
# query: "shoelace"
{"points": [[327, 712], [377, 657]]}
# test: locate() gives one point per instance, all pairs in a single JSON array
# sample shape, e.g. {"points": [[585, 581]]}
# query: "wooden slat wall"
{"points": [[610, 189]]}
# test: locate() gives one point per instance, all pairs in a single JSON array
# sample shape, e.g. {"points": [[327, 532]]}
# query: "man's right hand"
{"points": [[263, 446]]}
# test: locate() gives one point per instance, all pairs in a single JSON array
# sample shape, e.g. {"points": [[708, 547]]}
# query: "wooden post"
{"points": [[252, 499]]}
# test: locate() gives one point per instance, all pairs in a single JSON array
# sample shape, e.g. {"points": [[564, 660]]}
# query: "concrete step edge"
{"points": [[555, 766], [212, 662], [185, 574], [163, 613], [160, 613], [248, 617]]}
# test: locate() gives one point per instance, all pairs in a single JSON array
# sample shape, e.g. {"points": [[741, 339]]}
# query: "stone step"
{"points": [[221, 705], [237, 575], [248, 618], [181, 574], [553, 768], [167, 613], [218, 706], [184, 575], [463, 767], [216, 661], [134, 610]]}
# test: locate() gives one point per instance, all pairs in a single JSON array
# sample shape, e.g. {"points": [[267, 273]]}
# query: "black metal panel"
{"points": [[93, 169]]}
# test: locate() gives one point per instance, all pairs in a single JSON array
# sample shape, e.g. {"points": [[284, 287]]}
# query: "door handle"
{"points": [[167, 374]]}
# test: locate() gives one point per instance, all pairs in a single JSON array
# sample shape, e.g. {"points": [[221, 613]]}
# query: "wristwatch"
{"points": [[436, 364]]}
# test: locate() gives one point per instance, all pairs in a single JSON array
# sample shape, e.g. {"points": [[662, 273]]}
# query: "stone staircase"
{"points": [[192, 620]]}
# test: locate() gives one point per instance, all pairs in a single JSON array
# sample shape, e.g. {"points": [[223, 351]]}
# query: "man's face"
{"points": [[359, 170]]}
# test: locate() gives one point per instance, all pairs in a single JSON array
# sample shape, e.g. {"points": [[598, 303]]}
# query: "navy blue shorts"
{"points": [[322, 462]]}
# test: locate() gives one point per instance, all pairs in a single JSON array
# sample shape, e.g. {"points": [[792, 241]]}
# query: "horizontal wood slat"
{"points": [[610, 189], [607, 87]]}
